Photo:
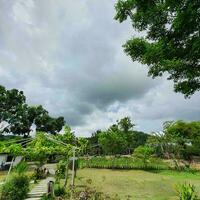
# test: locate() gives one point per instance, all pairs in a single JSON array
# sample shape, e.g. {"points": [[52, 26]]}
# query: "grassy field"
{"points": [[140, 185], [2, 175], [2, 178]]}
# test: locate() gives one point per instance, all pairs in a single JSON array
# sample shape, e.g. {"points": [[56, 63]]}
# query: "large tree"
{"points": [[179, 139], [125, 124], [94, 148], [133, 138], [17, 117], [113, 141], [49, 124], [186, 137], [68, 136], [120, 138], [12, 102], [170, 39]]}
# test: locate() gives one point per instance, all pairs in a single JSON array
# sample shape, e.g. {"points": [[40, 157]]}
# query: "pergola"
{"points": [[26, 141]]}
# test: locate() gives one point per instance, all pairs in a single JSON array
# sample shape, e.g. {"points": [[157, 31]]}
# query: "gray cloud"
{"points": [[67, 56]]}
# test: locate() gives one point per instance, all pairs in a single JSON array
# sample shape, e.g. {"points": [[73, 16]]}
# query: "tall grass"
{"points": [[187, 192], [120, 163]]}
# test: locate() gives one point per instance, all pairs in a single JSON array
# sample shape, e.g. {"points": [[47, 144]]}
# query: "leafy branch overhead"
{"points": [[171, 43]]}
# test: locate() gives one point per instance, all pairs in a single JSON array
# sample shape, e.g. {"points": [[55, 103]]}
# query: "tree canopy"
{"points": [[11, 104], [119, 138], [171, 41], [17, 117], [186, 136], [179, 139]]}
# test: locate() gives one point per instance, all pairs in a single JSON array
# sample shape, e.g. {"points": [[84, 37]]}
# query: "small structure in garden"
{"points": [[7, 159]]}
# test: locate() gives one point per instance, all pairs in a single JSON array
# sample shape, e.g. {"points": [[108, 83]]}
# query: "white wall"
{"points": [[3, 158], [17, 160]]}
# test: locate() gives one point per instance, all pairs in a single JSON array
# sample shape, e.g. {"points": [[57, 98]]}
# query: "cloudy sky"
{"points": [[67, 55]]}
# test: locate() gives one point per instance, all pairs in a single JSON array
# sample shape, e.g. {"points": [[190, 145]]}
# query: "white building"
{"points": [[6, 160]]}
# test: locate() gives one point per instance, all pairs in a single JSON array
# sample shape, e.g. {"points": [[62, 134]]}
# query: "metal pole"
{"points": [[73, 167], [10, 168]]}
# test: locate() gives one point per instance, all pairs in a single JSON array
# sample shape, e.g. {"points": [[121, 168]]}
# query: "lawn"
{"points": [[2, 178], [3, 175], [140, 185]]}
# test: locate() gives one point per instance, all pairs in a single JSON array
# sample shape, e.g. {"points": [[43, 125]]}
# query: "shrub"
{"points": [[21, 168], [86, 192], [121, 163], [61, 168], [16, 188], [59, 190], [108, 163], [143, 154], [187, 192], [46, 197], [89, 193]]}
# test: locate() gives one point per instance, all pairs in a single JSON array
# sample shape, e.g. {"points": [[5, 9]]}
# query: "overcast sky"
{"points": [[67, 55]]}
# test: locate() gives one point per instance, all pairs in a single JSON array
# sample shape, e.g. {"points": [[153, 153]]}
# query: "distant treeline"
{"points": [[120, 138], [177, 140]]}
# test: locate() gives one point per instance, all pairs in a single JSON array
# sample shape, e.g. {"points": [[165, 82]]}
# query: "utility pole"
{"points": [[73, 166]]}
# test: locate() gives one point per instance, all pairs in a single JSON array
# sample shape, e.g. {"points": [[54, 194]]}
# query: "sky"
{"points": [[67, 56]]}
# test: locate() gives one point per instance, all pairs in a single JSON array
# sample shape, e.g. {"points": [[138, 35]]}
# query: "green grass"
{"points": [[2, 178], [3, 175], [121, 163], [140, 185]]}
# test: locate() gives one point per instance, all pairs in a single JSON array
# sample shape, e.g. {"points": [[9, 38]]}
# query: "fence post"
{"points": [[50, 189], [73, 167]]}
